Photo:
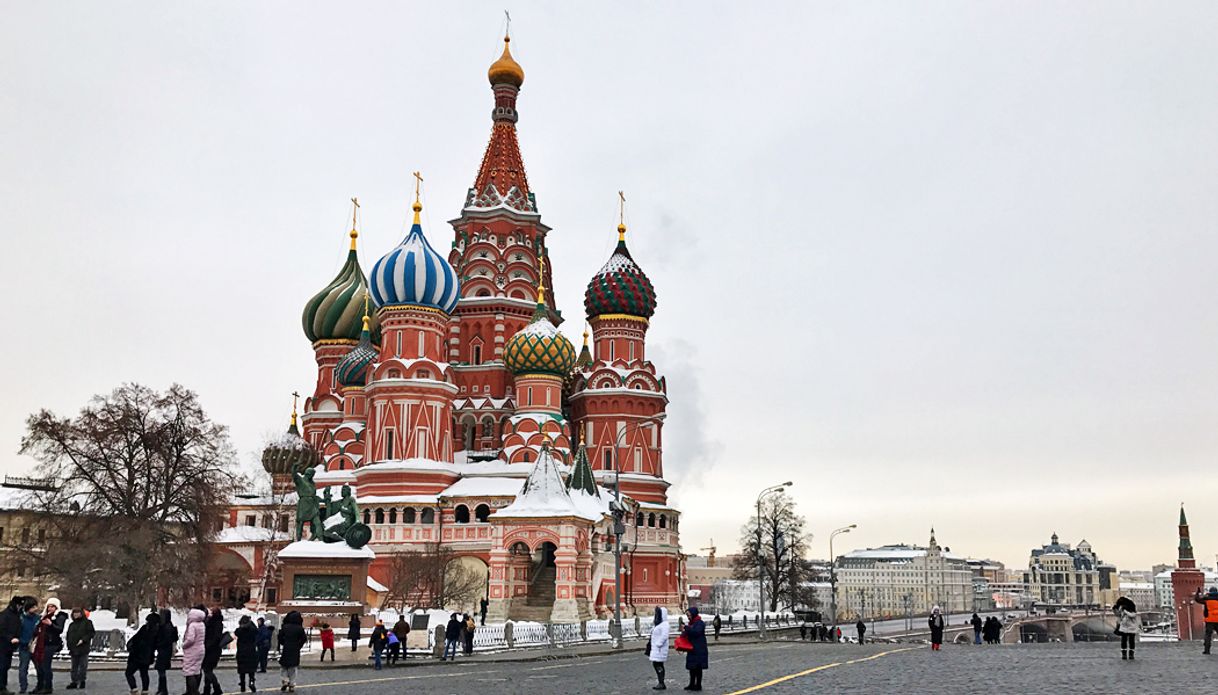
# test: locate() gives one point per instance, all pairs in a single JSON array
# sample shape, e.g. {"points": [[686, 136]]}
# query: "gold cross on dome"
{"points": [[622, 207], [418, 180], [295, 396]]}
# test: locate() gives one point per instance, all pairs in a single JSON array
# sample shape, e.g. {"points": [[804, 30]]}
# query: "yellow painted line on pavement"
{"points": [[823, 667], [390, 679]]}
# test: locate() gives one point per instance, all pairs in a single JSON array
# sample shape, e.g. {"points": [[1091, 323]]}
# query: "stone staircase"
{"points": [[540, 601]]}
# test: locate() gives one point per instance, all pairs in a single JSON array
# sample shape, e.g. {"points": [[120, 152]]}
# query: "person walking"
{"points": [[291, 641], [25, 640], [166, 645], [193, 649], [215, 639], [470, 626], [996, 631], [1209, 602], [935, 621], [380, 638], [327, 641], [401, 629], [48, 640], [861, 628], [717, 623], [247, 652], [697, 659], [1128, 625], [482, 607], [452, 635], [10, 637], [140, 650], [353, 630], [977, 625], [657, 646], [80, 639], [266, 636]]}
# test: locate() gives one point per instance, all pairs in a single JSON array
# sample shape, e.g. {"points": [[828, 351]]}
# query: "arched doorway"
{"points": [[538, 601]]}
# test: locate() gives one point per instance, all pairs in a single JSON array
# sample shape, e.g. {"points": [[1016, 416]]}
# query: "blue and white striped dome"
{"points": [[413, 273]]}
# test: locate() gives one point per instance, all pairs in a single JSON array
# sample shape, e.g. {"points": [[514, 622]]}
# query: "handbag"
{"points": [[682, 644], [647, 649]]}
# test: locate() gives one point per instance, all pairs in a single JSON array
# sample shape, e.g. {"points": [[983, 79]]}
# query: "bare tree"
{"points": [[433, 577], [141, 483], [782, 550]]}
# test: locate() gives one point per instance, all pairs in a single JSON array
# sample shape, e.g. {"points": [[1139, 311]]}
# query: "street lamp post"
{"points": [[619, 525], [761, 555], [833, 576]]}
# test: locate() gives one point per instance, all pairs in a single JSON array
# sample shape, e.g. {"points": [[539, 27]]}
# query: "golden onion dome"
{"points": [[506, 69]]}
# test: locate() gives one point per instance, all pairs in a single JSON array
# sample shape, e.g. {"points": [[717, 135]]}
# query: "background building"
{"points": [[1061, 576], [896, 580]]}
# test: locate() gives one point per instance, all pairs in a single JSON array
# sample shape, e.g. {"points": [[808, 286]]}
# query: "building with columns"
{"points": [[449, 400], [897, 580]]}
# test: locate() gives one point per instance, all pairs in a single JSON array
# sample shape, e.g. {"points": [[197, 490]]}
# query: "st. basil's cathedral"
{"points": [[458, 413]]}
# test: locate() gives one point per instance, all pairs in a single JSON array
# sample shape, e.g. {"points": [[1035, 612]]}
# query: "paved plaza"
{"points": [[781, 667]]}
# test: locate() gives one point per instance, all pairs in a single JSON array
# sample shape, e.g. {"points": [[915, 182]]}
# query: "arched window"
{"points": [[393, 516], [380, 515], [638, 519], [482, 513], [408, 515], [488, 428], [429, 516], [528, 457], [394, 374], [367, 517], [651, 520], [477, 356], [663, 521], [484, 292], [342, 464], [462, 514]]}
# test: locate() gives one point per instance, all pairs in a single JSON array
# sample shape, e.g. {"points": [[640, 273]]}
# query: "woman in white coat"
{"points": [[657, 651], [1129, 624]]}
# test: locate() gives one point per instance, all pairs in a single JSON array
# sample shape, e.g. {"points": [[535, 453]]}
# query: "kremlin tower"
{"points": [[450, 402], [1186, 581]]}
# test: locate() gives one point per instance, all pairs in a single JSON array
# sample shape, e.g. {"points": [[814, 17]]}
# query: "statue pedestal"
{"points": [[325, 580]]}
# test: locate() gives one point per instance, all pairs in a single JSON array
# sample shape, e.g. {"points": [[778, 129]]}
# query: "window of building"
{"points": [[461, 514], [393, 516], [611, 350], [477, 356], [429, 516], [367, 517], [632, 351], [25, 536], [482, 512], [380, 515], [283, 523], [663, 521], [527, 457], [638, 459], [422, 374], [250, 520], [422, 349], [272, 595], [608, 464], [389, 444], [638, 519], [408, 515], [651, 520], [1, 533], [529, 396]]}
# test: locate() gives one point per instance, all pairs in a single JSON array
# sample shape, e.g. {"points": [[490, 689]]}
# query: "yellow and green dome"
{"points": [[539, 348]]}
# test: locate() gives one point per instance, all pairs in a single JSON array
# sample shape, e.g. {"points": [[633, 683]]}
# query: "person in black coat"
{"points": [[452, 637], [247, 651], [140, 650], [166, 645], [10, 635], [698, 658], [291, 641], [353, 630], [936, 624], [214, 641]]}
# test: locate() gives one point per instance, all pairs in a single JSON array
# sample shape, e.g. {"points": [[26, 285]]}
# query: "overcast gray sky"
{"points": [[947, 264]]}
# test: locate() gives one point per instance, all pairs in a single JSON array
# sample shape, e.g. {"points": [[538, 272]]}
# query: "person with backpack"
{"points": [[380, 638], [657, 646], [80, 641], [140, 651], [468, 635], [166, 645], [291, 641]]}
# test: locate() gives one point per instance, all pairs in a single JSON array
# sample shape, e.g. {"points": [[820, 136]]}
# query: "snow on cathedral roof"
{"points": [[544, 494]]}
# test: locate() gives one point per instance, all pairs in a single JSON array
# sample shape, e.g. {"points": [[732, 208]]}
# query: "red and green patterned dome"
{"points": [[539, 348], [620, 287]]}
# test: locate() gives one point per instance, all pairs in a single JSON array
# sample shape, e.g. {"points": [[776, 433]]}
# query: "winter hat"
{"points": [[53, 602]]}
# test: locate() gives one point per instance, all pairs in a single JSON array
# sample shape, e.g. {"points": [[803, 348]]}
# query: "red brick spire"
{"points": [[502, 165]]}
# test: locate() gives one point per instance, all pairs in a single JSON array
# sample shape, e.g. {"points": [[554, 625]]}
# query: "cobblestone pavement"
{"points": [[776, 668]]}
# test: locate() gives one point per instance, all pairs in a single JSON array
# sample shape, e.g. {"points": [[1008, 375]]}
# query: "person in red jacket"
{"points": [[327, 641]]}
